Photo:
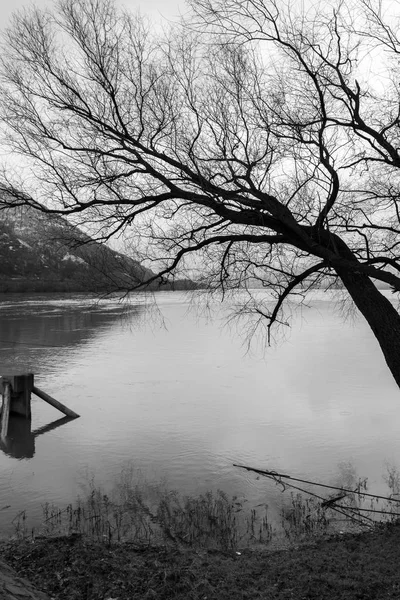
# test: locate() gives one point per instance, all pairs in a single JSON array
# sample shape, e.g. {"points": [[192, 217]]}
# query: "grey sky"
{"points": [[156, 9]]}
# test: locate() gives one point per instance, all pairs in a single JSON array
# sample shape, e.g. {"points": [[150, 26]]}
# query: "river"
{"points": [[182, 399]]}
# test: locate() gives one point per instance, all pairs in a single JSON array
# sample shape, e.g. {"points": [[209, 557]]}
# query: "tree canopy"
{"points": [[257, 136]]}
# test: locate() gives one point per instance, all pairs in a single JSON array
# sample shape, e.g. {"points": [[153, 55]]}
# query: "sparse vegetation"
{"points": [[147, 514], [143, 541]]}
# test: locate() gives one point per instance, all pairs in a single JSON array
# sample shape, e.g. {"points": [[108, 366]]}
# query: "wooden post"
{"points": [[61, 407], [5, 410], [21, 388]]}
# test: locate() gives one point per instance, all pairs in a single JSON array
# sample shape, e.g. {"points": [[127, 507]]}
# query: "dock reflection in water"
{"points": [[20, 440]]}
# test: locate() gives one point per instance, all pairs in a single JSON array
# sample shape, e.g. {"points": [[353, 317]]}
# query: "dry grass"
{"points": [[364, 566]]}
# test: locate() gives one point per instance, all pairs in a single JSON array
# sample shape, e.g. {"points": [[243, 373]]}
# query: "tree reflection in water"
{"points": [[35, 330]]}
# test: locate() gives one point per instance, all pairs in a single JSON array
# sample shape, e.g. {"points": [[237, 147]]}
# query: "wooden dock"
{"points": [[16, 391]]}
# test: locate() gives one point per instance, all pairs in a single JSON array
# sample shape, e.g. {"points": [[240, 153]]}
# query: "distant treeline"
{"points": [[22, 285]]}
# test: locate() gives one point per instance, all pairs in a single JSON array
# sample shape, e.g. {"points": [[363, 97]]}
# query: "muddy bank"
{"points": [[343, 567]]}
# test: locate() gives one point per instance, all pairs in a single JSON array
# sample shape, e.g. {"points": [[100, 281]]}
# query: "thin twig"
{"points": [[274, 474]]}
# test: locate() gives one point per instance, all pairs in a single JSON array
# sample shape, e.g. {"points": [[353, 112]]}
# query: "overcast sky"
{"points": [[156, 9]]}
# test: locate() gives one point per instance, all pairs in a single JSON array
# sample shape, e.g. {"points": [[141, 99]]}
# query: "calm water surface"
{"points": [[185, 401]]}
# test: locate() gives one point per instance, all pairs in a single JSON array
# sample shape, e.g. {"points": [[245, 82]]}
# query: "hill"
{"points": [[44, 252]]}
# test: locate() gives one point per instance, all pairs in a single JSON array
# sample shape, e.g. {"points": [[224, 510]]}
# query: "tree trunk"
{"points": [[382, 317]]}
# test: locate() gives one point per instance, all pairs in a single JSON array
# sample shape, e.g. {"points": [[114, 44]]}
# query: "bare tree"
{"points": [[258, 138]]}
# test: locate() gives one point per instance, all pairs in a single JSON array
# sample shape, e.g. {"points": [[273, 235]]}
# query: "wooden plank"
{"points": [[5, 411], [50, 400]]}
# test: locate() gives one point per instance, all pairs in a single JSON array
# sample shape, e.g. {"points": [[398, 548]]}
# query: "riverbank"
{"points": [[363, 566]]}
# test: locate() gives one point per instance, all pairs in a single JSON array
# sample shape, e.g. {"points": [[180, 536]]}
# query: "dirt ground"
{"points": [[363, 566]]}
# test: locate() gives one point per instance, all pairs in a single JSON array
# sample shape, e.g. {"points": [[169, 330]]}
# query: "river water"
{"points": [[181, 399]]}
